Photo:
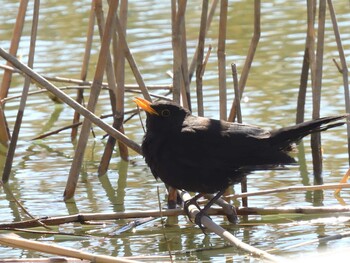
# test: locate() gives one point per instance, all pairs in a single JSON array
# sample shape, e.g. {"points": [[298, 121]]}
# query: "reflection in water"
{"points": [[41, 167]]}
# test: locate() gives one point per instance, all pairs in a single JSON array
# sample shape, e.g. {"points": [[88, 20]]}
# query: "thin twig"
{"points": [[9, 192], [291, 189]]}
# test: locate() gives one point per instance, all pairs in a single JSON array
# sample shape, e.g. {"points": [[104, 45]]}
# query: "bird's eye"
{"points": [[165, 113]]}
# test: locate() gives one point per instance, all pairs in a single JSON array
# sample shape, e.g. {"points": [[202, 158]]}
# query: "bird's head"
{"points": [[163, 115]]}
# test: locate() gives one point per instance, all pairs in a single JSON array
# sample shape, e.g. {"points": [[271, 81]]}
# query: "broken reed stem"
{"points": [[316, 93], [211, 226], [103, 57], [200, 55], [14, 240], [13, 143], [344, 67], [222, 59], [250, 56], [84, 67]]}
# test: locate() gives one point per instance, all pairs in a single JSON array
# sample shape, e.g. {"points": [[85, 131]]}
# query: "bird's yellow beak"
{"points": [[145, 105]]}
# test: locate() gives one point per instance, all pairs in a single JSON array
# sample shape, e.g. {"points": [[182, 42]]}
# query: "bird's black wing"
{"points": [[230, 145]]}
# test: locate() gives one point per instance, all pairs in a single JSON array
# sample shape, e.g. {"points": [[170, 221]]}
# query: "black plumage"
{"points": [[204, 155]]}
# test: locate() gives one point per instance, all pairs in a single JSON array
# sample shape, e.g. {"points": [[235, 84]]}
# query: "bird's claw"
{"points": [[232, 217]]}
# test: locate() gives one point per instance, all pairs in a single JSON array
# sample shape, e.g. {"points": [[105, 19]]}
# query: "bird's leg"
{"points": [[192, 201], [203, 212], [172, 197], [228, 209]]}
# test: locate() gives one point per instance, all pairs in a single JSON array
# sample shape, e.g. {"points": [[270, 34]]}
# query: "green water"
{"points": [[41, 167]]}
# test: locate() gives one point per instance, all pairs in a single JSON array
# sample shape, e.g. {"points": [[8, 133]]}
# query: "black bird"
{"points": [[204, 155]]}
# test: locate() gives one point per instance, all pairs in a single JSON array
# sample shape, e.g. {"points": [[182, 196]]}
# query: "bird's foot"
{"points": [[231, 213], [198, 220], [232, 216]]}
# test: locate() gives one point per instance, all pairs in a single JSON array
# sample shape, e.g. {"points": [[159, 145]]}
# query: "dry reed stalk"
{"points": [[178, 17], [211, 226], [69, 101], [45, 260], [14, 240], [16, 37], [7, 76], [120, 76], [208, 22], [94, 93], [4, 131], [179, 55], [344, 67], [222, 59], [113, 90], [185, 82], [237, 94], [316, 93], [13, 143], [308, 61], [200, 55], [244, 182], [302, 87], [131, 61], [250, 56], [84, 67]]}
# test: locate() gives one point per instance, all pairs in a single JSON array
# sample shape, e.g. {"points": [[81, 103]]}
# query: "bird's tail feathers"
{"points": [[284, 137]]}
